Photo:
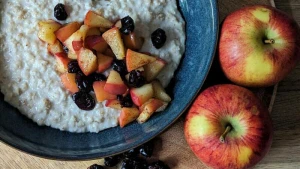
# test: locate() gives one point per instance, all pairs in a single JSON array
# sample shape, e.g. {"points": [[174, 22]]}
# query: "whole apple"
{"points": [[228, 127], [259, 46]]}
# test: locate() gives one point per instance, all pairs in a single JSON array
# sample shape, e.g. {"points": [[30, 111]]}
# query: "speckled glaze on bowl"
{"points": [[202, 30]]}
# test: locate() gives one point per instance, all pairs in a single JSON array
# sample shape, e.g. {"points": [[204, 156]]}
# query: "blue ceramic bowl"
{"points": [[202, 31]]}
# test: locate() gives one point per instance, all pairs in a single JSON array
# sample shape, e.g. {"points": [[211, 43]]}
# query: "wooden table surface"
{"points": [[285, 150]]}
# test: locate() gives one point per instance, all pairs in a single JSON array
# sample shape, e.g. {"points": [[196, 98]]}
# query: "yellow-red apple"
{"points": [[228, 127], [259, 46]]}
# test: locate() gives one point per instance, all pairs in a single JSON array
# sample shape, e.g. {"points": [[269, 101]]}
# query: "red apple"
{"points": [[228, 127], [259, 46]]}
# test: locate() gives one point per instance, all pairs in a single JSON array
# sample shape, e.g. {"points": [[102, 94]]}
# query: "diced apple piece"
{"points": [[159, 91], [109, 52], [142, 94], [54, 48], [102, 30], [87, 61], [115, 84], [114, 40], [148, 109], [104, 62], [96, 42], [65, 32], [62, 62], [128, 115], [100, 93], [133, 42], [118, 24], [135, 60], [115, 104], [47, 29], [72, 55], [68, 80], [153, 69], [93, 19], [93, 31], [76, 41]]}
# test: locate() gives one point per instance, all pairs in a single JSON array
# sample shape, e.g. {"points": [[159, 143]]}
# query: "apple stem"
{"points": [[227, 130], [269, 41]]}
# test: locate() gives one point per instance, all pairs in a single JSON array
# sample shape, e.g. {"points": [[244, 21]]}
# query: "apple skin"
{"points": [[245, 58], [215, 108]]}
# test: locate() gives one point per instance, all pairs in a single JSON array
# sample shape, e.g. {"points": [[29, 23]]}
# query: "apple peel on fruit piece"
{"points": [[47, 29], [259, 46], [113, 38], [227, 126]]}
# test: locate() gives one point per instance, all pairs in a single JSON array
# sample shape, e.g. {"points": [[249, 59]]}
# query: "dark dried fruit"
{"points": [[83, 82], [131, 153], [158, 38], [120, 67], [139, 163], [84, 100], [112, 161], [95, 166], [127, 163], [125, 101], [60, 12], [127, 25], [158, 165], [147, 149], [73, 67], [136, 79], [96, 77]]}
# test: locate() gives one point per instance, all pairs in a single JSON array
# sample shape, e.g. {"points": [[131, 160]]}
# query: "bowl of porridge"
{"points": [[97, 78]]}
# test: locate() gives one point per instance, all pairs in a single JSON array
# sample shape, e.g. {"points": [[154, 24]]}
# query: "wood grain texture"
{"points": [[172, 148]]}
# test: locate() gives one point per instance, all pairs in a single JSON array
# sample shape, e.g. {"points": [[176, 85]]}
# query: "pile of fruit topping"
{"points": [[99, 60], [134, 159]]}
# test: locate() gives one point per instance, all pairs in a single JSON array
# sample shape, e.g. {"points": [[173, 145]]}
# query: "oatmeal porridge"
{"points": [[29, 80]]}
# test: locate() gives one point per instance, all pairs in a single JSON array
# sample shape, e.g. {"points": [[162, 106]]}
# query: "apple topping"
{"points": [[76, 41], [62, 62], [104, 62], [47, 29], [54, 48], [133, 42], [100, 93], [128, 115], [114, 84], [114, 103], [87, 61], [135, 60], [96, 42], [66, 31], [154, 68], [142, 94], [148, 108], [93, 19], [68, 80], [82, 53], [159, 91], [114, 40]]}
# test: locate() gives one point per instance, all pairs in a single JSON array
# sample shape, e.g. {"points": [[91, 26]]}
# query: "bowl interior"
{"points": [[202, 30]]}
